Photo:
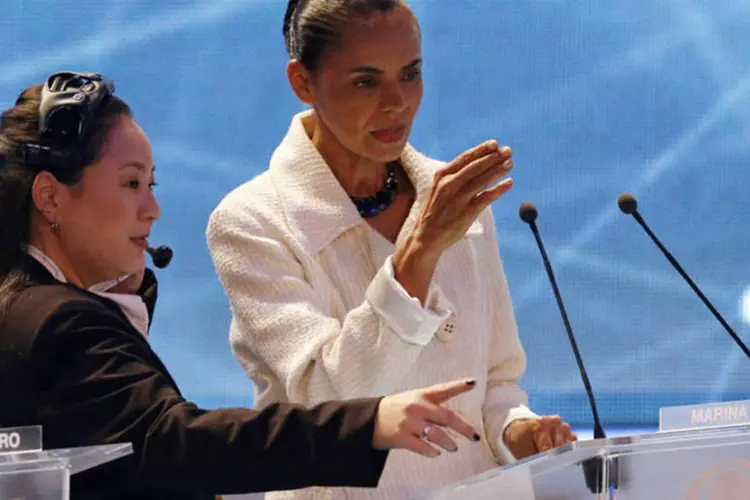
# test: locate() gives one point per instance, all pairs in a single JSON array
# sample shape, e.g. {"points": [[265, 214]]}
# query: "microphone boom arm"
{"points": [[628, 205], [598, 429]]}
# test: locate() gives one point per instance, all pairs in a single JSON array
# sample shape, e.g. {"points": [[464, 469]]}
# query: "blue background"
{"points": [[595, 98]]}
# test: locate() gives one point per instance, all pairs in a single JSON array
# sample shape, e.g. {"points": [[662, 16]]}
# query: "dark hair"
{"points": [[20, 125], [310, 25]]}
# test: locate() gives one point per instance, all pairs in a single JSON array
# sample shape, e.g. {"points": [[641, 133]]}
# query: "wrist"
{"points": [[417, 254], [414, 264], [508, 432], [378, 440]]}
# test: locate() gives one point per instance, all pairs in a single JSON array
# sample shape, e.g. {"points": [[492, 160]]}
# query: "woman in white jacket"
{"points": [[356, 266]]}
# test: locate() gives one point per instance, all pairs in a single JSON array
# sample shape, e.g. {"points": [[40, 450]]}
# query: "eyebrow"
{"points": [[140, 166], [375, 71]]}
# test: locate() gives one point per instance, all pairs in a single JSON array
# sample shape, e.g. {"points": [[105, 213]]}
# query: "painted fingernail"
{"points": [[454, 450], [476, 437], [471, 382]]}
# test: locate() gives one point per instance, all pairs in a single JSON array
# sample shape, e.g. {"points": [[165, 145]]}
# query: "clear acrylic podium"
{"points": [[29, 473], [697, 464]]}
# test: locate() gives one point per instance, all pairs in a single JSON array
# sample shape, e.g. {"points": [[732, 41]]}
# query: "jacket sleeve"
{"points": [[100, 383], [282, 323]]}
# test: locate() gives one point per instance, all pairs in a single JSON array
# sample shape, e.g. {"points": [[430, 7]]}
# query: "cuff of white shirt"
{"points": [[520, 412], [406, 316]]}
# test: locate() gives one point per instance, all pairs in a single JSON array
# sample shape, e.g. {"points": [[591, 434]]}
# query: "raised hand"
{"points": [[461, 191]]}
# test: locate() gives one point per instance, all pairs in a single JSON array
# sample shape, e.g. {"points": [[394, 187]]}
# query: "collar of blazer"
{"points": [[132, 306], [317, 208]]}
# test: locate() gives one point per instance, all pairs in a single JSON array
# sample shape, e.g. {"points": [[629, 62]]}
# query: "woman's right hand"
{"points": [[416, 421], [460, 192]]}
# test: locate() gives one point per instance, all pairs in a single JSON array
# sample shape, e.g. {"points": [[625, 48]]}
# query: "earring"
{"points": [[55, 225]]}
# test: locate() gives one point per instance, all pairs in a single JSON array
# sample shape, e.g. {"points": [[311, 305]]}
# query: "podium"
{"points": [[696, 464], [29, 473]]}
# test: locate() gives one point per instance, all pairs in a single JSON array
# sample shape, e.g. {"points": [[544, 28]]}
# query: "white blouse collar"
{"points": [[131, 305]]}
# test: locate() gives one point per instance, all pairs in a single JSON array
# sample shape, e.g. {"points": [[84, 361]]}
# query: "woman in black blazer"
{"points": [[76, 302]]}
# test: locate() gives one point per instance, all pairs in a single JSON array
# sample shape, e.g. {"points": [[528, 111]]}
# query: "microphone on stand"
{"points": [[629, 205], [161, 256], [592, 468], [528, 214]]}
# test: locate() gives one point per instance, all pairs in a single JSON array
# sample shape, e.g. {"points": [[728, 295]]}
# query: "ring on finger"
{"points": [[426, 432]]}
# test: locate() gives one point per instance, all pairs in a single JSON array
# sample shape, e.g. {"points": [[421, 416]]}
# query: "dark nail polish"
{"points": [[454, 450], [476, 437], [471, 382]]}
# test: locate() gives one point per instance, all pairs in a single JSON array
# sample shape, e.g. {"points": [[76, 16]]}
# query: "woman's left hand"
{"points": [[527, 437]]}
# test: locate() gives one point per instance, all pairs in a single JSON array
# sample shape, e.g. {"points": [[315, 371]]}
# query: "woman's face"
{"points": [[368, 87], [105, 219]]}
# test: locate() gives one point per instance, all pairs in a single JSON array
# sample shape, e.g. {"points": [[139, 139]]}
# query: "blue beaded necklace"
{"points": [[370, 206]]}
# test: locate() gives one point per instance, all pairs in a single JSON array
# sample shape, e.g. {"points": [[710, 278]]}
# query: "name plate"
{"points": [[16, 439], [677, 418]]}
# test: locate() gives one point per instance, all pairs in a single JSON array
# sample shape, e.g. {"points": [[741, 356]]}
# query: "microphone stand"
{"points": [[593, 468]]}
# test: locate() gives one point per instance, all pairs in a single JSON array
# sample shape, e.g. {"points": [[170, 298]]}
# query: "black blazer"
{"points": [[71, 362]]}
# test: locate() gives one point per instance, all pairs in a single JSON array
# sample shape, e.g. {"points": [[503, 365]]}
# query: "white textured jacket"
{"points": [[318, 315]]}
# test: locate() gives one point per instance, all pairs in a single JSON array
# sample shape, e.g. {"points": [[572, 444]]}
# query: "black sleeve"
{"points": [[100, 383]]}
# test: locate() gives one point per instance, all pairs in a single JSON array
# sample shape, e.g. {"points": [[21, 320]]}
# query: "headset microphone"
{"points": [[161, 256]]}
